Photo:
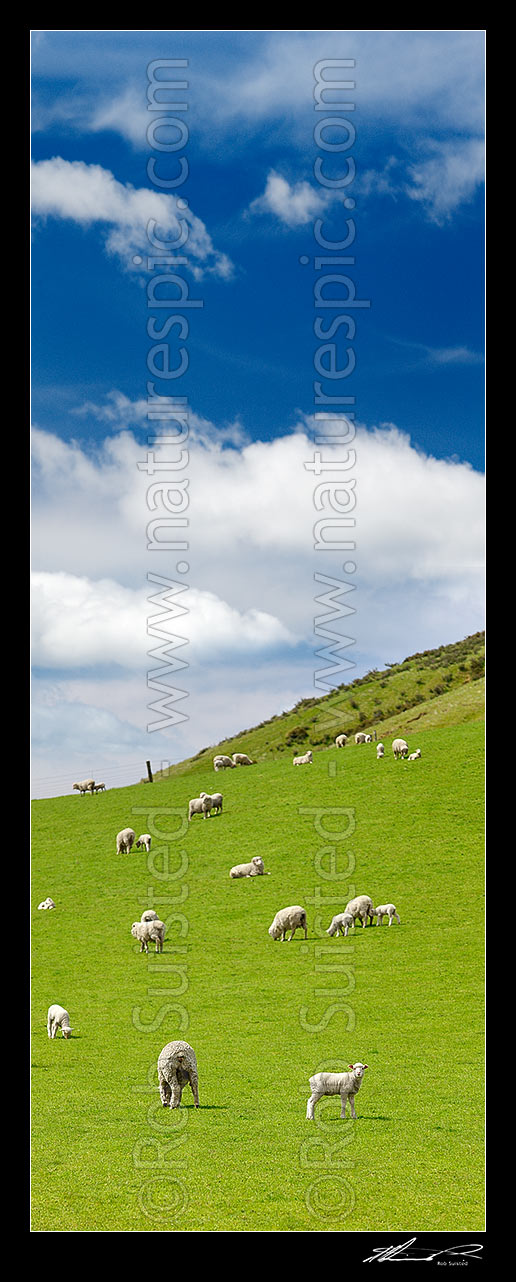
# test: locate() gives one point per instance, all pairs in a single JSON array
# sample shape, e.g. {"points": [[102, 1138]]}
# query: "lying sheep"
{"points": [[288, 919], [254, 869], [399, 748], [211, 802], [386, 910], [362, 907], [87, 785], [223, 763], [58, 1017], [307, 760], [124, 841], [144, 841], [379, 751], [146, 931], [149, 915], [340, 924], [341, 740], [177, 1066], [414, 755], [344, 1084], [241, 759], [47, 903]]}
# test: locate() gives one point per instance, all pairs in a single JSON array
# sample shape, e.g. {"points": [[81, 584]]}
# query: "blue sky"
{"points": [[253, 199]]}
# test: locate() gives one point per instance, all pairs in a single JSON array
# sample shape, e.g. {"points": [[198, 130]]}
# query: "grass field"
{"points": [[263, 1016]]}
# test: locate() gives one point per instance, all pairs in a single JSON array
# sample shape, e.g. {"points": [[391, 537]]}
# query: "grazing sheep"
{"points": [[241, 759], [360, 737], [149, 915], [213, 802], [124, 841], [99, 787], [47, 903], [58, 1017], [368, 738], [144, 841], [344, 1084], [149, 930], [379, 751], [288, 919], [340, 924], [399, 748], [87, 785], [362, 907], [341, 740], [223, 763], [194, 807], [254, 869], [307, 760], [414, 755], [386, 910], [177, 1066]]}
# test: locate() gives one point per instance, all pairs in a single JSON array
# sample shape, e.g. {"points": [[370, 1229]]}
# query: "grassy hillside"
{"points": [[263, 1016]]}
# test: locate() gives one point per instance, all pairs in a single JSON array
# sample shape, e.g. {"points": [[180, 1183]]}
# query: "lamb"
{"points": [[124, 841], [288, 919], [177, 1066], [144, 841], [99, 787], [47, 903], [211, 802], [87, 785], [223, 763], [149, 915], [362, 907], [307, 760], [58, 1017], [386, 910], [254, 869], [241, 759], [340, 924], [341, 740], [360, 737], [399, 748], [149, 930], [344, 1084], [379, 751], [368, 738], [414, 755]]}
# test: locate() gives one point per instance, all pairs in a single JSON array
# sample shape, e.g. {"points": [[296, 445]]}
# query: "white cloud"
{"points": [[450, 177], [293, 204]]}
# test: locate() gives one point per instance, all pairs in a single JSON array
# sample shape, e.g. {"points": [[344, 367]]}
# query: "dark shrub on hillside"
{"points": [[297, 735]]}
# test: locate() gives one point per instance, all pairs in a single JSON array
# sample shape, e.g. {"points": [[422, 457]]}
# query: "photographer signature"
{"points": [[407, 1251]]}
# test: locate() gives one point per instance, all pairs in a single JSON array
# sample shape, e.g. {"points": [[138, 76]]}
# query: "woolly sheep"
{"points": [[58, 1017], [399, 748], [386, 910], [211, 802], [360, 737], [87, 785], [223, 763], [47, 903], [414, 755], [368, 738], [288, 919], [194, 807], [254, 869], [344, 1084], [307, 760], [99, 787], [379, 751], [362, 907], [124, 841], [147, 931], [340, 924], [149, 915], [145, 841], [341, 740], [177, 1066], [241, 759]]}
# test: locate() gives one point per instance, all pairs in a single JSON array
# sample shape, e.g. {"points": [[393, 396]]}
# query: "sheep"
{"points": [[254, 869], [47, 903], [149, 930], [149, 915], [360, 737], [211, 802], [362, 907], [223, 763], [379, 751], [307, 760], [58, 1017], [144, 841], [414, 755], [399, 748], [194, 807], [386, 910], [344, 1084], [87, 785], [288, 919], [368, 738], [241, 759], [341, 740], [340, 924], [99, 787], [124, 841], [177, 1066]]}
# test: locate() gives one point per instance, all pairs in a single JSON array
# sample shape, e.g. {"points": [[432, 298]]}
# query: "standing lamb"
{"points": [[379, 751], [124, 841], [58, 1017], [144, 841], [288, 919], [360, 737], [149, 931], [87, 785], [399, 748], [177, 1066], [307, 760], [361, 907], [414, 755], [99, 787], [254, 869], [241, 759], [386, 910], [340, 924], [368, 738], [341, 740], [223, 763], [344, 1084]]}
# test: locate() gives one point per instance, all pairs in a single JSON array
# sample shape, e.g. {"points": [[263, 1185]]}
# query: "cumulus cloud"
{"points": [[450, 177], [294, 204]]}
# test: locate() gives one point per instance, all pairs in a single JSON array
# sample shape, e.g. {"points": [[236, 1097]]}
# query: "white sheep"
{"points": [[386, 910], [362, 907], [177, 1066], [341, 740], [380, 752], [307, 760], [288, 919], [144, 841], [414, 755], [87, 785], [99, 787], [399, 748], [124, 841], [254, 869], [211, 802], [149, 931], [241, 759], [368, 738], [360, 737], [194, 807], [344, 1084], [58, 1017], [47, 903], [340, 924], [149, 915], [223, 763]]}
